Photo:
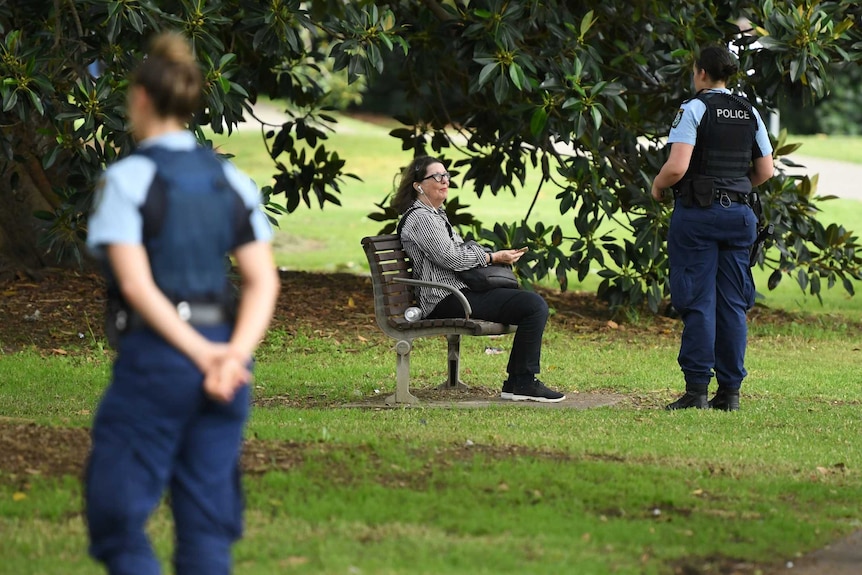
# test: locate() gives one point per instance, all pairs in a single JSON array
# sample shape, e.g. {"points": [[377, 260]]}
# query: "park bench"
{"points": [[392, 281]]}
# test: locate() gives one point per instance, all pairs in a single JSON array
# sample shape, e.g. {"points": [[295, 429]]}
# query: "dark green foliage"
{"points": [[582, 91], [56, 108], [839, 113], [585, 92]]}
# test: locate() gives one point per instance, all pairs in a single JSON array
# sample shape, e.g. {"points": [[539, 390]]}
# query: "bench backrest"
{"points": [[386, 260]]}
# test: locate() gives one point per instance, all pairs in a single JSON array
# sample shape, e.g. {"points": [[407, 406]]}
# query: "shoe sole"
{"points": [[535, 398], [506, 395]]}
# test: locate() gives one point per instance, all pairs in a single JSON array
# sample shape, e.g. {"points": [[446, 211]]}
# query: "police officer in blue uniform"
{"points": [[719, 150], [164, 220]]}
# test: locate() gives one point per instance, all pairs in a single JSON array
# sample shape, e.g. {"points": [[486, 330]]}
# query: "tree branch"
{"points": [[77, 18], [57, 25], [535, 199], [438, 10]]}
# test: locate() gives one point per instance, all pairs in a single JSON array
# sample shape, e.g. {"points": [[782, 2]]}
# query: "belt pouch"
{"points": [[703, 191]]}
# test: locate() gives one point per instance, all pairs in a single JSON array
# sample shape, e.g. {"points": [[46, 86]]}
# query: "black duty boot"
{"points": [[725, 400], [695, 396]]}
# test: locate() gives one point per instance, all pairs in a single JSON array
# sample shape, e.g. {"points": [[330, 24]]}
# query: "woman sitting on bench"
{"points": [[438, 253]]}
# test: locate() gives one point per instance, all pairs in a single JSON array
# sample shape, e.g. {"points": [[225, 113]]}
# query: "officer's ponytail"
{"points": [[171, 76], [718, 63]]}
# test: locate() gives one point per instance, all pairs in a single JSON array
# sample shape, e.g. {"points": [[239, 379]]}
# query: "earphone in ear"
{"points": [[421, 191]]}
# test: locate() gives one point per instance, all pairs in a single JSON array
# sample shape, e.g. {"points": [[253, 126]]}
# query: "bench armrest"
{"points": [[462, 299]]}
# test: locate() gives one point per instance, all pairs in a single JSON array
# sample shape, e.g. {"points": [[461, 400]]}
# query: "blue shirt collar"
{"points": [[179, 140]]}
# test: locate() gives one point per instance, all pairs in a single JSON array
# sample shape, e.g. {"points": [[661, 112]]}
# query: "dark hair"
{"points": [[406, 194], [718, 63], [171, 76]]}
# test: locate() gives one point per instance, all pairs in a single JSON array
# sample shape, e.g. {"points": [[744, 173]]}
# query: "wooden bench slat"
{"points": [[394, 263], [404, 298], [389, 267], [384, 243], [391, 255], [395, 288]]}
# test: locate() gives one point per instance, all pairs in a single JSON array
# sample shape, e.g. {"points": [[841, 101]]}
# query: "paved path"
{"points": [[842, 179], [467, 400], [840, 558]]}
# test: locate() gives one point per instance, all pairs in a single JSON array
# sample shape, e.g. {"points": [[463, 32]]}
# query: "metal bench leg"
{"points": [[454, 359], [402, 375]]}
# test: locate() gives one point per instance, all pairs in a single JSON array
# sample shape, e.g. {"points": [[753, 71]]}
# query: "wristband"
{"points": [[490, 258]]}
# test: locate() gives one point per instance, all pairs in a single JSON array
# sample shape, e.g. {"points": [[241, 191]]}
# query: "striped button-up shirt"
{"points": [[437, 252]]}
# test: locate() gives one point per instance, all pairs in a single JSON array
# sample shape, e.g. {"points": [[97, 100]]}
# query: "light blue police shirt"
{"points": [[687, 119], [122, 189]]}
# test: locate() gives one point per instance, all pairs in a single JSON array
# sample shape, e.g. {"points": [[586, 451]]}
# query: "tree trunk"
{"points": [[25, 188], [19, 241]]}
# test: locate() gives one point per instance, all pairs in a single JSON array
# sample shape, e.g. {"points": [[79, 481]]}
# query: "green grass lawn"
{"points": [[627, 489], [623, 489], [843, 148]]}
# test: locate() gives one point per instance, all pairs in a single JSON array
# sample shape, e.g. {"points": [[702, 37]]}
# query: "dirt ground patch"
{"points": [[61, 311]]}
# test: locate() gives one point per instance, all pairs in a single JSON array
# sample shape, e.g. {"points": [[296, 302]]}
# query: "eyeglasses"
{"points": [[438, 177]]}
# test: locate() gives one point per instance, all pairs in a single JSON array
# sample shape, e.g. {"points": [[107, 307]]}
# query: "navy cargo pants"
{"points": [[712, 289], [156, 430]]}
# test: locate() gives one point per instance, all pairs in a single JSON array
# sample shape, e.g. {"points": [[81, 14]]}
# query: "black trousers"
{"points": [[528, 310]]}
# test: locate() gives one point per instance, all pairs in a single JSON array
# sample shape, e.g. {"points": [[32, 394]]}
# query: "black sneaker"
{"points": [[507, 390], [536, 391]]}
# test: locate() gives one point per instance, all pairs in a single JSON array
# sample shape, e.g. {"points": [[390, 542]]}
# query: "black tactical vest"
{"points": [[192, 218], [725, 142]]}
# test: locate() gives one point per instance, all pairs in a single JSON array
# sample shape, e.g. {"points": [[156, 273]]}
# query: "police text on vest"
{"points": [[733, 114]]}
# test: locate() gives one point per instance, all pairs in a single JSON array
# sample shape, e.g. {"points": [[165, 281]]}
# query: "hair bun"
{"points": [[172, 47]]}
